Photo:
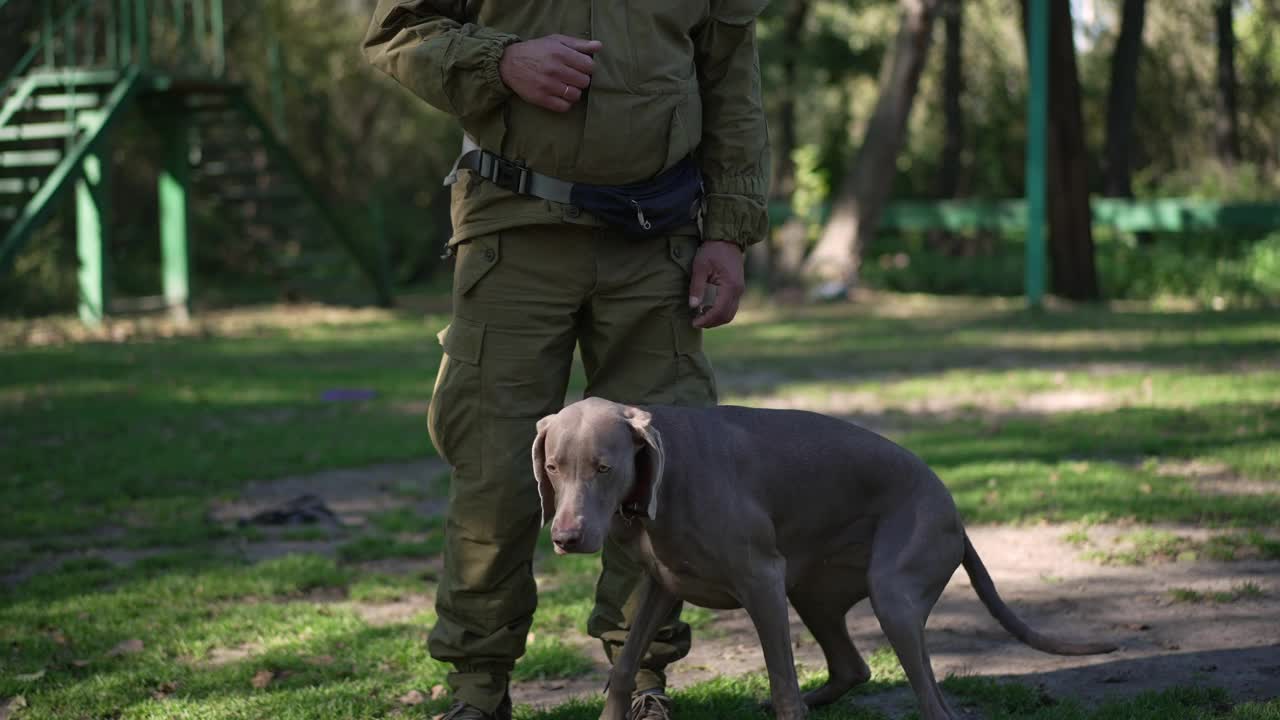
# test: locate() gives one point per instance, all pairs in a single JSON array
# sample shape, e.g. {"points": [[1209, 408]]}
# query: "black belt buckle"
{"points": [[508, 175]]}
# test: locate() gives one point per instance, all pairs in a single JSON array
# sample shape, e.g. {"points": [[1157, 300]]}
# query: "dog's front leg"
{"points": [[764, 596], [655, 604]]}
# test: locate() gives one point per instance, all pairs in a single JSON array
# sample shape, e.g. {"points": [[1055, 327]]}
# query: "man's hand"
{"points": [[717, 263], [550, 72]]}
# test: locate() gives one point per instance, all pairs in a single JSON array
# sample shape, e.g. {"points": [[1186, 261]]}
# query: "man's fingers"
{"points": [[590, 47], [697, 286], [571, 93], [552, 88], [571, 77], [581, 62], [725, 307]]}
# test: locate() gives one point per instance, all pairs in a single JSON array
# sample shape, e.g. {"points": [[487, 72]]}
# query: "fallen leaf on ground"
{"points": [[10, 707], [58, 637], [164, 690], [320, 660], [30, 677], [413, 697], [438, 692], [262, 679], [80, 663], [128, 647]]}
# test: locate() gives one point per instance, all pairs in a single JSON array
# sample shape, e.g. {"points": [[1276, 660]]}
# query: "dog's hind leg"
{"points": [[912, 560], [822, 607]]}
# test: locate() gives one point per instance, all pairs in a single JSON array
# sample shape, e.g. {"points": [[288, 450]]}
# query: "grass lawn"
{"points": [[126, 598]]}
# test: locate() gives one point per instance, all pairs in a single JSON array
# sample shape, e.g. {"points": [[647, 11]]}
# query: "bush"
{"points": [[1212, 268]]}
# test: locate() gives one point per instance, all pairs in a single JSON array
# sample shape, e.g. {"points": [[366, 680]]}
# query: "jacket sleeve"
{"points": [[734, 151], [429, 48]]}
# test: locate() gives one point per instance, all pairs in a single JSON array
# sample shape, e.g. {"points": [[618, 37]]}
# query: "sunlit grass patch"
{"points": [[548, 658], [1241, 591]]}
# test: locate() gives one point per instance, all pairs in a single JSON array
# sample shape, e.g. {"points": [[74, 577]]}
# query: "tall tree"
{"points": [[1122, 99], [1227, 122], [772, 265], [1073, 271], [952, 91], [865, 188]]}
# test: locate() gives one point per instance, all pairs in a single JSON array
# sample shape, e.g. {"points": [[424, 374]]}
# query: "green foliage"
{"points": [[1216, 269]]}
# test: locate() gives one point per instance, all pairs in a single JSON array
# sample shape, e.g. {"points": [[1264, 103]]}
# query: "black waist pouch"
{"points": [[648, 208]]}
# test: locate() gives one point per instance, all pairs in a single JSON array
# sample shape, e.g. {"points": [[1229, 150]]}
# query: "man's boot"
{"points": [[651, 705], [463, 711]]}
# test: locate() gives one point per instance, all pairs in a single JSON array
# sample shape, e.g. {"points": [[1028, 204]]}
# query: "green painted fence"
{"points": [[1176, 215]]}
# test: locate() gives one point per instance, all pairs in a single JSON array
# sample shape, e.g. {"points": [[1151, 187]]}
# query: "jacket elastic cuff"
{"points": [[738, 219], [494, 44]]}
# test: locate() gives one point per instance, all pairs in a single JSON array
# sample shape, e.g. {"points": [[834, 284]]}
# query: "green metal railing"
{"points": [[1170, 215], [178, 36]]}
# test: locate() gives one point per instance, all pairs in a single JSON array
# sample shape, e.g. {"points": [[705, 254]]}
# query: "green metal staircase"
{"points": [[90, 61]]}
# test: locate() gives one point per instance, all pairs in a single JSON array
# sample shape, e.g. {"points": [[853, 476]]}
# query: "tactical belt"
{"points": [[509, 175], [647, 208]]}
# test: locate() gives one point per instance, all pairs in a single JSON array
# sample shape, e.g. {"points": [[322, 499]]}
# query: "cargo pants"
{"points": [[523, 299]]}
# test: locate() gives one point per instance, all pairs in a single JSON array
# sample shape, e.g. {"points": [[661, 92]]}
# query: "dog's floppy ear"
{"points": [[546, 493], [650, 460]]}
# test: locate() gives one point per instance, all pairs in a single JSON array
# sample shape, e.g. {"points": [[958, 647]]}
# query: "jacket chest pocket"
{"points": [[647, 44]]}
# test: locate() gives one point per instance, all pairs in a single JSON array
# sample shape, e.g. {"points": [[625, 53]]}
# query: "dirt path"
{"points": [[1163, 642], [1232, 642]]}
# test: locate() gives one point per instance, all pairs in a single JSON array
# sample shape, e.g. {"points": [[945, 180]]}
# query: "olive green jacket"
{"points": [[674, 77]]}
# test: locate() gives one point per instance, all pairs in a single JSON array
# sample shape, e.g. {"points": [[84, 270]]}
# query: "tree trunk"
{"points": [[948, 178], [1227, 122], [1073, 273], [1122, 99], [772, 265], [865, 188], [952, 91]]}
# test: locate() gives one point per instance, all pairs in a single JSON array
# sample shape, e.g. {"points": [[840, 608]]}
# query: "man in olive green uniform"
{"points": [[596, 93]]}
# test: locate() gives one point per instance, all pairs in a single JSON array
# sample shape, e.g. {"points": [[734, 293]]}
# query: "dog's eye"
{"points": [[551, 468], [603, 469]]}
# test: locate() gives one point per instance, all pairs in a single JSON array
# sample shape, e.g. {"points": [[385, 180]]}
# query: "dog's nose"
{"points": [[566, 540]]}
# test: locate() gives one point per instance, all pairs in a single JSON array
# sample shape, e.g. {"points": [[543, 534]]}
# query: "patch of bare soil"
{"points": [[352, 494], [1215, 478], [991, 406], [1163, 642]]}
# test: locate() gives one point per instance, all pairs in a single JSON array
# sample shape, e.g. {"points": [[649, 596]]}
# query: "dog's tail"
{"points": [[986, 590]]}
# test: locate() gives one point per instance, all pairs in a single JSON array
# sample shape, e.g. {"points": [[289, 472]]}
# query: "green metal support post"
{"points": [[174, 241], [1037, 147], [93, 205]]}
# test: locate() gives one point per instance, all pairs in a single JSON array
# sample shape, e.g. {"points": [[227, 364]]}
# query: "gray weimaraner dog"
{"points": [[735, 507]]}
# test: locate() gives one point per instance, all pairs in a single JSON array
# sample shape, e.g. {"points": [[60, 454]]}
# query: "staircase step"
{"points": [[29, 158], [253, 194], [207, 101], [229, 136], [65, 101], [37, 131], [18, 186], [74, 76], [216, 171]]}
